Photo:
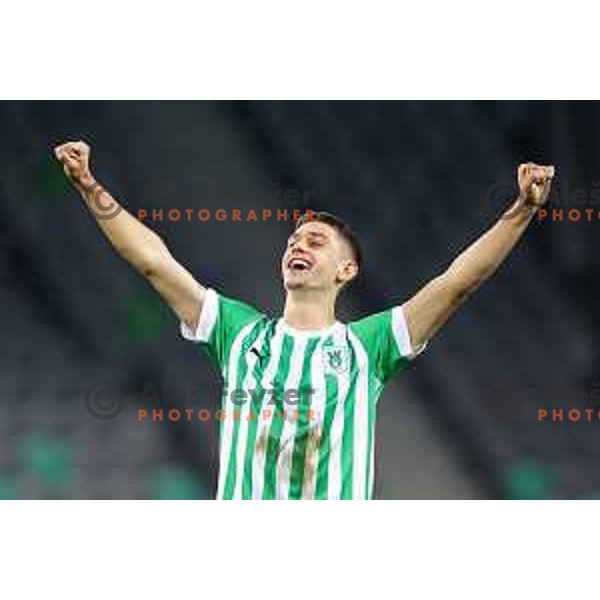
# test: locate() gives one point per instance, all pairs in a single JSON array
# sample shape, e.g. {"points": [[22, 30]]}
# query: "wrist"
{"points": [[85, 183], [520, 211]]}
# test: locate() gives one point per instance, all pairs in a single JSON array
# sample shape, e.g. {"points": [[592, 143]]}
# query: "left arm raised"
{"points": [[432, 305]]}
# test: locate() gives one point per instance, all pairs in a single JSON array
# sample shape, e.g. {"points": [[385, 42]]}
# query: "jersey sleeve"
{"points": [[221, 320], [386, 338]]}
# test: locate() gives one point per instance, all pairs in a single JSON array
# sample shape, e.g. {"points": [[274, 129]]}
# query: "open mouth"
{"points": [[299, 264]]}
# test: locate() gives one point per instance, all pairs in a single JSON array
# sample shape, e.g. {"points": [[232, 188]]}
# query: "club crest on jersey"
{"points": [[336, 359]]}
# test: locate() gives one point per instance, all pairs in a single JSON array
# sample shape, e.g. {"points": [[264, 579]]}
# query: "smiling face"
{"points": [[317, 257]]}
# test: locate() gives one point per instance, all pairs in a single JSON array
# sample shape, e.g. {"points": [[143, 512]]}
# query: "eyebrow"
{"points": [[310, 234]]}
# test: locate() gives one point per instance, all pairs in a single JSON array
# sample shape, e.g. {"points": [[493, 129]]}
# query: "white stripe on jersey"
{"points": [[226, 453], [286, 440], [260, 450], [334, 488], [317, 404], [249, 383], [361, 420]]}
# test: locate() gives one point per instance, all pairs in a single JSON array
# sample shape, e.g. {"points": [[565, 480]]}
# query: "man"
{"points": [[314, 439]]}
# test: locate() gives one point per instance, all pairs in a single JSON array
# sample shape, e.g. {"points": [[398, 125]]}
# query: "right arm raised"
{"points": [[132, 240]]}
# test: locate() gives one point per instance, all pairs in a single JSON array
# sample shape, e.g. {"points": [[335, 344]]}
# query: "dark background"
{"points": [[417, 180]]}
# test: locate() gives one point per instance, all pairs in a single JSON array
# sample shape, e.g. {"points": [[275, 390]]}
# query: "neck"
{"points": [[309, 309]]}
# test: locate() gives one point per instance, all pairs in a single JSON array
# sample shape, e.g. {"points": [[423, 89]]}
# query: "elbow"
{"points": [[150, 265], [147, 269], [145, 253], [460, 287], [148, 262]]}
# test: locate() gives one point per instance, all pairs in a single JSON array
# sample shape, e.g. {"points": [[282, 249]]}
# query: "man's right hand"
{"points": [[75, 157]]}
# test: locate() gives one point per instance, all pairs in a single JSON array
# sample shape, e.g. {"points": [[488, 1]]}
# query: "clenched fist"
{"points": [[534, 183], [75, 157]]}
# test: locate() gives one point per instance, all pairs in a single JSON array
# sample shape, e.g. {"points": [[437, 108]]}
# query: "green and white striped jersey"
{"points": [[298, 418]]}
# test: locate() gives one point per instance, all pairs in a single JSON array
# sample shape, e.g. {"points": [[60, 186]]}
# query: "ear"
{"points": [[347, 270]]}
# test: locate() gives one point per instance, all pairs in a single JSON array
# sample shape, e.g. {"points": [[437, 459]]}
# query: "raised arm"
{"points": [[132, 240], [431, 307]]}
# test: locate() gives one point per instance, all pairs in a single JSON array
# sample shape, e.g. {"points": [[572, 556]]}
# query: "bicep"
{"points": [[178, 288], [431, 307]]}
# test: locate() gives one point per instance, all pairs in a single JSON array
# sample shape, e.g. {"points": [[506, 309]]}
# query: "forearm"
{"points": [[133, 241], [482, 258]]}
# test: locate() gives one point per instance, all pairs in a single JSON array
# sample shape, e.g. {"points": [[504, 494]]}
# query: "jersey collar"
{"points": [[308, 333]]}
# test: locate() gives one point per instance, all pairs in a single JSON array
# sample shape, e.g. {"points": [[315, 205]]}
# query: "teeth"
{"points": [[299, 262]]}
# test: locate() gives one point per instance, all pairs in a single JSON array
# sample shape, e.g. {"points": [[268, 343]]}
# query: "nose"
{"points": [[298, 244]]}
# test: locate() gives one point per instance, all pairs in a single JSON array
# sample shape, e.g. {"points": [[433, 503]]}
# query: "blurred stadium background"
{"points": [[415, 179]]}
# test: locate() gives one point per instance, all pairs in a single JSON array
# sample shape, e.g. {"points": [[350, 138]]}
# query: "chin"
{"points": [[297, 283], [294, 284]]}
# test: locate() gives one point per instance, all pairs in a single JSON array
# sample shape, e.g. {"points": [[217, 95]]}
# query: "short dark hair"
{"points": [[340, 226]]}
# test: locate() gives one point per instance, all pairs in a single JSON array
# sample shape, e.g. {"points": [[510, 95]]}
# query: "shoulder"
{"points": [[373, 324], [387, 326]]}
